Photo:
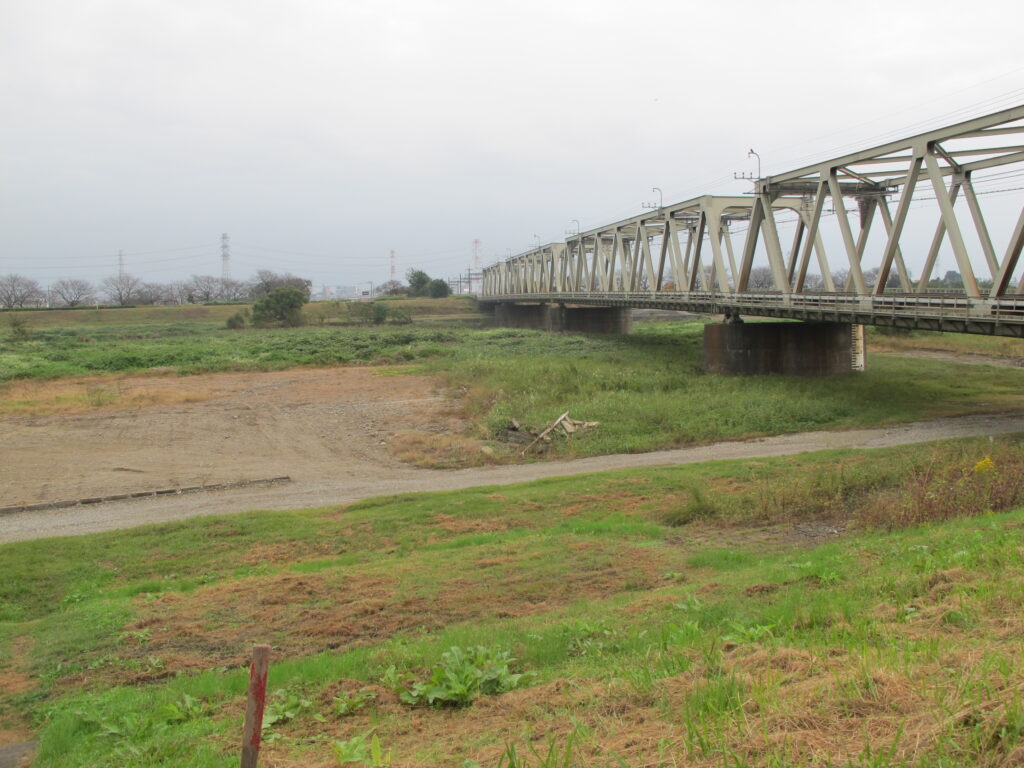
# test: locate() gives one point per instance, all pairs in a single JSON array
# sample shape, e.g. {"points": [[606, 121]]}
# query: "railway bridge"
{"points": [[850, 241]]}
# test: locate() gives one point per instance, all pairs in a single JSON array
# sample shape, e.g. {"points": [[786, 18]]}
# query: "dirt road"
{"points": [[142, 433], [326, 428]]}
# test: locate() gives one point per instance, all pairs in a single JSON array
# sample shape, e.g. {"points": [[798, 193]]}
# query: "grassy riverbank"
{"points": [[759, 613]]}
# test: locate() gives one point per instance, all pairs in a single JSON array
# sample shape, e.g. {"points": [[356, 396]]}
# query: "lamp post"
{"points": [[661, 200], [752, 153]]}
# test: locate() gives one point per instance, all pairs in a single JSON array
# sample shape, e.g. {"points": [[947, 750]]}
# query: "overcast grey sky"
{"points": [[322, 134]]}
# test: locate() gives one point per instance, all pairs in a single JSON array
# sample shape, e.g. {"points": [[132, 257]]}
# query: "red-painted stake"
{"points": [[254, 707]]}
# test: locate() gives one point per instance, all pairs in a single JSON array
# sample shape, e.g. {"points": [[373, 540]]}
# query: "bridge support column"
{"points": [[558, 317], [795, 349]]}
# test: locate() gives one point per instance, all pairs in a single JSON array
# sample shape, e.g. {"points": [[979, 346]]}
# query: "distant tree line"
{"points": [[761, 280], [17, 291], [420, 284]]}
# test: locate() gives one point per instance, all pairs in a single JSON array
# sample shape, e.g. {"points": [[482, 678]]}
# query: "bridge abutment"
{"points": [[796, 349], [558, 317]]}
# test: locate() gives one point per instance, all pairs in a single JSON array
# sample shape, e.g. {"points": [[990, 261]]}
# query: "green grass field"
{"points": [[214, 316], [699, 615], [648, 389]]}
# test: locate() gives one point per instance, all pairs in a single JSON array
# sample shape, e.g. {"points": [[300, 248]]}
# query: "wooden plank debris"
{"points": [[568, 425]]}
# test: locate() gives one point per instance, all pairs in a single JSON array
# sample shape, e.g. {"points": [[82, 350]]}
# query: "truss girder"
{"points": [[686, 249]]}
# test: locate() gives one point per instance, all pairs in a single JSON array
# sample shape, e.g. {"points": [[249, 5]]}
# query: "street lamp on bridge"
{"points": [[661, 200], [752, 153]]}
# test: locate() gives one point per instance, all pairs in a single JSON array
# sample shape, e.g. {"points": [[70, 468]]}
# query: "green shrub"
{"points": [[462, 675], [697, 507], [349, 703], [369, 312], [238, 320], [19, 328], [285, 705], [399, 315], [281, 305], [438, 288], [364, 749]]}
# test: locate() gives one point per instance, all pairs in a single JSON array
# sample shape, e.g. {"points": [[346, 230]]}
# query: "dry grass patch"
{"points": [[343, 608], [441, 450], [953, 343], [99, 393], [828, 717]]}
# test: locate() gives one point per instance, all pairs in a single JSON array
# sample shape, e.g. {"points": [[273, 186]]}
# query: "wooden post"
{"points": [[254, 707]]}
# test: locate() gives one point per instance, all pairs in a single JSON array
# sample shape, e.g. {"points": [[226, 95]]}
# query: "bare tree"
{"points": [[839, 278], [871, 278], [234, 290], [814, 282], [178, 292], [72, 293], [266, 281], [392, 288], [760, 279], [153, 293], [121, 290], [204, 288], [17, 291]]}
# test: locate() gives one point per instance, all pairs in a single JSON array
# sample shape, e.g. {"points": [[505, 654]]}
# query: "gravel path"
{"points": [[14, 755], [323, 490]]}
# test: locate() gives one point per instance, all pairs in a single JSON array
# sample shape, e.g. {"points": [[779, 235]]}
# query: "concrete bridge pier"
{"points": [[559, 317], [795, 349]]}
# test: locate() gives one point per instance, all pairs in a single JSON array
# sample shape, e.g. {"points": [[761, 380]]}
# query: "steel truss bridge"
{"points": [[683, 256]]}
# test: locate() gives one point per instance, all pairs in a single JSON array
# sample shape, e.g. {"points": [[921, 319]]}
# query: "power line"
{"points": [[107, 263]]}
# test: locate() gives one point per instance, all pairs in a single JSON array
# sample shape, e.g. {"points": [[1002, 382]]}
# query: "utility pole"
{"points": [[225, 257], [120, 266], [475, 271]]}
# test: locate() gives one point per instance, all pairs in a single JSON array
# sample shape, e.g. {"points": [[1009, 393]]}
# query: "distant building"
{"points": [[335, 292]]}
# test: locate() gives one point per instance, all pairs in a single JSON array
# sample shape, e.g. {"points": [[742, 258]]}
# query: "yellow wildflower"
{"points": [[984, 466]]}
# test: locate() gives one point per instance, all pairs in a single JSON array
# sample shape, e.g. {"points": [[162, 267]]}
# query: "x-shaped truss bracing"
{"points": [[703, 251]]}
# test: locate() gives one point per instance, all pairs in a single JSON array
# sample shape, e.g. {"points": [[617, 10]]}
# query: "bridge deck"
{"points": [[958, 314]]}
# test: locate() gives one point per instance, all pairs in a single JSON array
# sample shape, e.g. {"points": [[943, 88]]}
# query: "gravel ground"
{"points": [[14, 755]]}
